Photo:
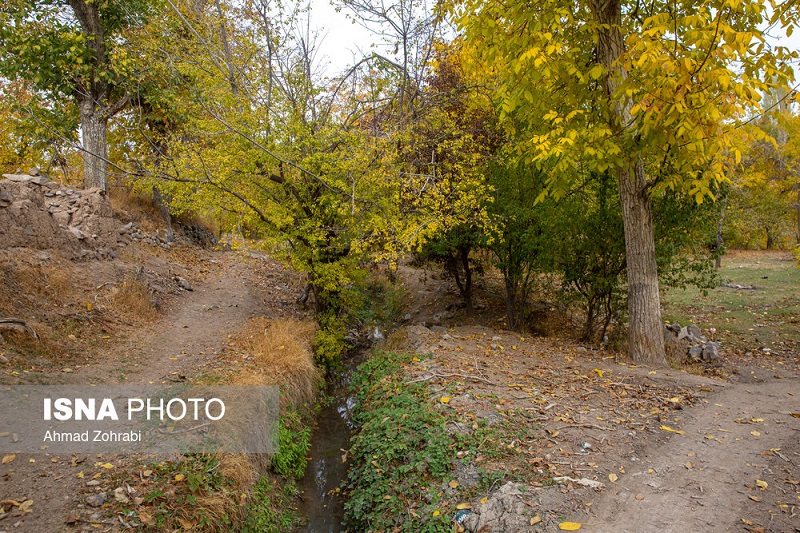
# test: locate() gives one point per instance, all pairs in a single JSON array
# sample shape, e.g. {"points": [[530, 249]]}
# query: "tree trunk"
{"points": [[645, 331], [720, 224], [95, 148]]}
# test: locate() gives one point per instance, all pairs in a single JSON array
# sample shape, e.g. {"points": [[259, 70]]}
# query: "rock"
{"points": [[694, 331], [407, 317], [5, 199], [183, 284], [3, 359], [34, 172], [695, 351], [76, 232], [93, 483], [96, 500], [505, 510], [127, 228], [683, 333], [20, 178], [711, 351], [40, 180]]}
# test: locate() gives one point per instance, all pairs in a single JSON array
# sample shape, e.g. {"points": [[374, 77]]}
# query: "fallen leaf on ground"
{"points": [[464, 506], [761, 484], [755, 433], [678, 431], [755, 498], [612, 478], [535, 520], [569, 526], [25, 506], [454, 484], [8, 458], [445, 399], [146, 518]]}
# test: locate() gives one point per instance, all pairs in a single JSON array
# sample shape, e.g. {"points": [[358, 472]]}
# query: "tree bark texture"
{"points": [[94, 125], [645, 331]]}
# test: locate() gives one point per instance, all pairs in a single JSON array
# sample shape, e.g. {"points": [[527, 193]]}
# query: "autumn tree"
{"points": [[74, 50], [647, 92]]}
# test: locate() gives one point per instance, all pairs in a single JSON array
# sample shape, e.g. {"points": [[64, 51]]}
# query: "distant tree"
{"points": [[74, 50]]}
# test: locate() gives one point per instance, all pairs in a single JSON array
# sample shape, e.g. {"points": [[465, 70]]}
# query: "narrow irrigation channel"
{"points": [[321, 504]]}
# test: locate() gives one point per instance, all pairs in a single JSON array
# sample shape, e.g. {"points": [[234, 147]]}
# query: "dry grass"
{"points": [[136, 207], [281, 354], [132, 301]]}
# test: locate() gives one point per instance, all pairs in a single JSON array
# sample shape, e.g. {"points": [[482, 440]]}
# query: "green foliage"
{"points": [[294, 441], [401, 448], [515, 237], [270, 509], [328, 341], [199, 478]]}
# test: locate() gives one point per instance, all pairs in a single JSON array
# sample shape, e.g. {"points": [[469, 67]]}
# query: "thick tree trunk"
{"points": [[94, 125], [645, 331]]}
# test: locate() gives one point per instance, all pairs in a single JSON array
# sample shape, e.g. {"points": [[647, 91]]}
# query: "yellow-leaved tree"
{"points": [[649, 92]]}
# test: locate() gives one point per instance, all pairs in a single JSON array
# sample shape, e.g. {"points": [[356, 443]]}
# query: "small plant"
{"points": [[294, 440], [270, 509]]}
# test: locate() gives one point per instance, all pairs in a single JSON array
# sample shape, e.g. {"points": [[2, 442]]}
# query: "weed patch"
{"points": [[402, 451]]}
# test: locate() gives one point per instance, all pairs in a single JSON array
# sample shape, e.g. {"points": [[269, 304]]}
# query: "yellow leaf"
{"points": [[79, 475], [536, 519], [436, 512], [612, 478], [755, 433], [484, 500], [598, 372], [569, 526], [25, 506], [107, 466], [464, 506], [678, 431], [179, 477], [746, 521], [652, 372], [445, 399], [454, 484], [8, 458], [88, 306], [761, 484]]}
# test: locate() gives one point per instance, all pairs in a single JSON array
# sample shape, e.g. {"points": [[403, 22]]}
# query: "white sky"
{"points": [[341, 39]]}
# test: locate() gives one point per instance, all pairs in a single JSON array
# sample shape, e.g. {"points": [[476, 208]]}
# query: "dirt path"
{"points": [[191, 333], [705, 479], [193, 330]]}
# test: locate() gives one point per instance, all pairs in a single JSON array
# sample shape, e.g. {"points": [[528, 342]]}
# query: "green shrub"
{"points": [[294, 440]]}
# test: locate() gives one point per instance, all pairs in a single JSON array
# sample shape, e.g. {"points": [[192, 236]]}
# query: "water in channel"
{"points": [[321, 503]]}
